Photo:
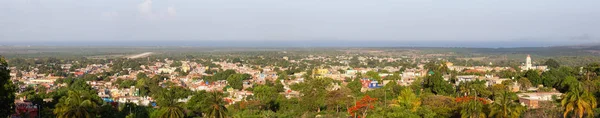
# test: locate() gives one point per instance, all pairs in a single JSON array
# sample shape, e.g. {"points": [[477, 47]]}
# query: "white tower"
{"points": [[528, 62]]}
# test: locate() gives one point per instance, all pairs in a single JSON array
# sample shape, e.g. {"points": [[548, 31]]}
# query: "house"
{"points": [[322, 71], [26, 107], [374, 84], [466, 78], [533, 100]]}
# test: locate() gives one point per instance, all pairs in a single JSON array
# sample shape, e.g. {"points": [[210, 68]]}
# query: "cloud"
{"points": [[171, 11], [145, 7]]}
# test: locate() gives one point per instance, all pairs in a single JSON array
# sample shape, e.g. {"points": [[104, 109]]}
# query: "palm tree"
{"points": [[217, 105], [169, 106], [77, 104], [171, 112], [472, 109], [208, 104], [506, 107], [579, 101]]}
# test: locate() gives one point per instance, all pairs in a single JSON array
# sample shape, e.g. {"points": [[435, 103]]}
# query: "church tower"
{"points": [[528, 62]]}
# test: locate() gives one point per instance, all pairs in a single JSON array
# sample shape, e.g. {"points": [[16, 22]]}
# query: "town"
{"points": [[345, 83]]}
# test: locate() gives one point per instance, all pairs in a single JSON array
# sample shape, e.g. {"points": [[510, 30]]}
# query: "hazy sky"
{"points": [[533, 22]]}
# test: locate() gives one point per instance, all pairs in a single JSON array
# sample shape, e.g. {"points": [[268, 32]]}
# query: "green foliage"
{"points": [[316, 98], [395, 76], [477, 87], [551, 63], [314, 93], [236, 80], [373, 75], [7, 91], [578, 100], [506, 105], [472, 109], [436, 84], [568, 83], [393, 89], [339, 100], [167, 99], [223, 75], [442, 106], [81, 85], [127, 83], [393, 112], [266, 96], [108, 111], [408, 99], [176, 64], [524, 83], [553, 77], [534, 77], [355, 86], [207, 104], [131, 110], [78, 104]]}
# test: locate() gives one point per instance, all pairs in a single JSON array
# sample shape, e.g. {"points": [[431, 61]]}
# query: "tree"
{"points": [[591, 70], [217, 107], [265, 95], [362, 107], [208, 104], [505, 106], [374, 75], [578, 100], [131, 110], [524, 83], [443, 106], [127, 83], [223, 75], [313, 93], [437, 85], [534, 77], [7, 91], [279, 87], [409, 100], [198, 104], [551, 63], [552, 77], [170, 112], [77, 104], [339, 98], [176, 64], [567, 84], [355, 86], [236, 80], [106, 110], [169, 106], [475, 88], [472, 109], [395, 76], [141, 75]]}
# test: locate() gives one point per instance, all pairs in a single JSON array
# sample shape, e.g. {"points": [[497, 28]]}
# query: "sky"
{"points": [[446, 23]]}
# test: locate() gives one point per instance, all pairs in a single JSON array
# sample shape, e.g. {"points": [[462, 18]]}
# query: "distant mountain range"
{"points": [[303, 43]]}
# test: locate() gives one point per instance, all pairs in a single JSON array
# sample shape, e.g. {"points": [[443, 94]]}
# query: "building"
{"points": [[534, 100], [323, 71], [529, 65]]}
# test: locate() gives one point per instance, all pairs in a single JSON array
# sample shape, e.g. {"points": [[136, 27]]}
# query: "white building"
{"points": [[529, 65]]}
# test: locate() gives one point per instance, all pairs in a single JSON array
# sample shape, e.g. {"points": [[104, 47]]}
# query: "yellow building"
{"points": [[449, 64], [322, 71]]}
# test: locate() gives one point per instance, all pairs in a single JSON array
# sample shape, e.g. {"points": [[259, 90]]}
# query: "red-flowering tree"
{"points": [[469, 98], [362, 106]]}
